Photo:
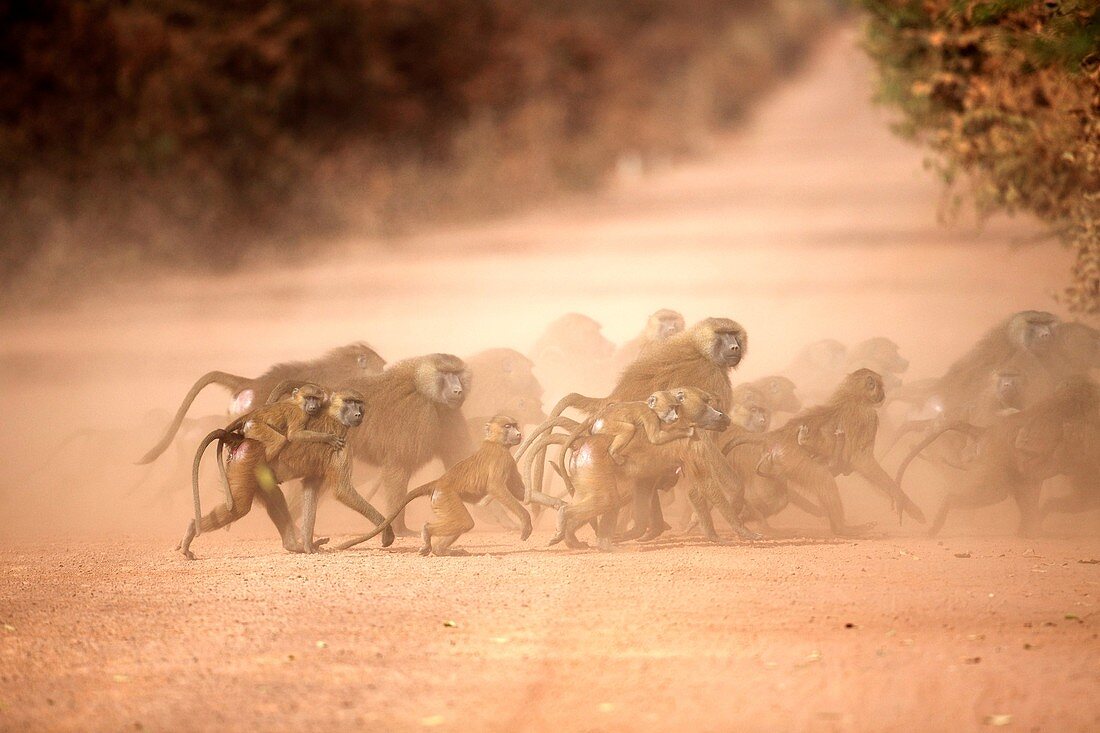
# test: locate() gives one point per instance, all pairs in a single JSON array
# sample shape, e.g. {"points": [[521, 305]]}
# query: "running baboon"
{"points": [[412, 415], [699, 357], [1017, 453], [601, 486], [821, 443], [491, 471], [573, 354], [660, 326], [335, 367]]}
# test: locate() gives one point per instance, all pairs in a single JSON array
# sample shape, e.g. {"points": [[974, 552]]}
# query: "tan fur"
{"points": [[334, 368], [659, 326], [502, 382], [490, 471], [621, 421], [1016, 454], [775, 393], [409, 421]]}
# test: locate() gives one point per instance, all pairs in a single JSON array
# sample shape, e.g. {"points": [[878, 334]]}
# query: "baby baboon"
{"points": [[1017, 453], [491, 471], [413, 413], [659, 327], [275, 424], [622, 420], [335, 367]]}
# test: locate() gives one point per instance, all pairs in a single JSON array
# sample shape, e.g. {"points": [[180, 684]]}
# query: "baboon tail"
{"points": [[550, 424], [230, 381], [577, 402], [564, 476], [220, 436], [283, 389], [425, 490], [961, 426]]}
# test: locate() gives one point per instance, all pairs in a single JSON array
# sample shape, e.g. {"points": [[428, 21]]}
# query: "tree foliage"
{"points": [[1006, 93]]}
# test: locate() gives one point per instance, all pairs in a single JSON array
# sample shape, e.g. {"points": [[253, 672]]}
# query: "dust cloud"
{"points": [[814, 222]]}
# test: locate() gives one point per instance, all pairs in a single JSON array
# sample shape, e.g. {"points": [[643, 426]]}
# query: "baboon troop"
{"points": [[1018, 410]]}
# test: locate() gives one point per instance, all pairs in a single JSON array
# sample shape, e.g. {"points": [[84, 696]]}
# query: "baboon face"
{"points": [[310, 398], [444, 379], [1033, 330], [727, 341], [780, 394], [1009, 388], [757, 420], [666, 405], [504, 430], [698, 408], [664, 323], [347, 407]]}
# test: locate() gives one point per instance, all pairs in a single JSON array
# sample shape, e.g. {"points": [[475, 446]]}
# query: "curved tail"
{"points": [[577, 402], [416, 493], [230, 381], [283, 389], [220, 436], [960, 425], [550, 424]]}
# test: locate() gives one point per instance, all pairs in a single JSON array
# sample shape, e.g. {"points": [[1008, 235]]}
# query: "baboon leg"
{"points": [[645, 492], [804, 504], [702, 512], [715, 497], [443, 547], [606, 529], [243, 486], [395, 484], [450, 520], [425, 540], [274, 501], [822, 484], [513, 505], [347, 495], [1027, 498], [657, 524], [624, 433], [982, 494], [310, 490], [867, 467]]}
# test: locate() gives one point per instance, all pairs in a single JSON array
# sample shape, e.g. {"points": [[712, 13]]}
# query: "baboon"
{"points": [[699, 357], [775, 393], [573, 354], [817, 368], [622, 420], [660, 325], [821, 443], [276, 424], [335, 367], [491, 471], [503, 382], [880, 355], [1017, 453], [412, 415], [601, 486]]}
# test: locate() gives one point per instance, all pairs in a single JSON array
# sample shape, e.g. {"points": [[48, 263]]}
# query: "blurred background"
{"points": [[187, 186]]}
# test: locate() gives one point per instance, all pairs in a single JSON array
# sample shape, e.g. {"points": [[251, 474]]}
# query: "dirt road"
{"points": [[891, 634], [813, 222]]}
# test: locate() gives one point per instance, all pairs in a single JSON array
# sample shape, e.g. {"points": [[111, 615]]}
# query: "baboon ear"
{"points": [[680, 396], [652, 401]]}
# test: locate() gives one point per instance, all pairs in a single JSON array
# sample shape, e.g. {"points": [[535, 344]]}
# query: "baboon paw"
{"points": [[526, 532], [387, 537], [555, 540], [187, 554], [425, 550]]}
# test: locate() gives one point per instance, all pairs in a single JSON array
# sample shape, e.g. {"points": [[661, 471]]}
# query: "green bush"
{"points": [[1007, 96]]}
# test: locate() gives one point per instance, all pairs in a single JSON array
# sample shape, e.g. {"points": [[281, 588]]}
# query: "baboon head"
{"points": [[721, 340], [504, 430], [700, 409], [346, 405], [862, 385], [665, 404], [444, 379], [576, 335], [878, 353], [310, 397], [358, 356], [754, 418], [662, 324], [779, 393], [1032, 330]]}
